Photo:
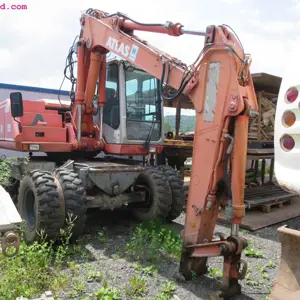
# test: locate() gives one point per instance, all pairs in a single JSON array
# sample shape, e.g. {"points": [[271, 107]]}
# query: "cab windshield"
{"points": [[143, 105]]}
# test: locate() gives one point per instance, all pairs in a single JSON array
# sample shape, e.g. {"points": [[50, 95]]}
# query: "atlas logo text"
{"points": [[122, 48]]}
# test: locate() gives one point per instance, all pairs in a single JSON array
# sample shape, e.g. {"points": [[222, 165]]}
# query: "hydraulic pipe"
{"points": [[169, 28], [101, 92], [235, 229], [79, 96], [79, 115], [193, 32], [91, 82], [239, 167], [101, 123]]}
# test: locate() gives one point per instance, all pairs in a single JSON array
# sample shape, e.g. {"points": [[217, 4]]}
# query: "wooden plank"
{"points": [[256, 219], [262, 127], [266, 208]]}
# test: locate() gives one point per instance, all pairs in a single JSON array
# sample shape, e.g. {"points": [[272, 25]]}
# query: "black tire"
{"points": [[74, 199], [178, 198], [159, 197], [38, 204]]}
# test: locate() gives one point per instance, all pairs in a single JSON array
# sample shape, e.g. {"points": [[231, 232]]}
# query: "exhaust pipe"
{"points": [[287, 281]]}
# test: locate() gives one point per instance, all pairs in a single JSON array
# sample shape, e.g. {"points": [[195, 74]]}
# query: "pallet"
{"points": [[255, 219], [267, 208]]}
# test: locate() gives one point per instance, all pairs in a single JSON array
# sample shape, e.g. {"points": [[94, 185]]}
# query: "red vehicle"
{"points": [[219, 85]]}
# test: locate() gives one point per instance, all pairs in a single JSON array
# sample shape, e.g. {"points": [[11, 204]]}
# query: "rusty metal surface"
{"points": [[111, 178], [287, 281]]}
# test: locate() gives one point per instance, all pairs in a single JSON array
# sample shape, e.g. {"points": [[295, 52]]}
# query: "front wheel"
{"points": [[158, 198], [39, 205]]}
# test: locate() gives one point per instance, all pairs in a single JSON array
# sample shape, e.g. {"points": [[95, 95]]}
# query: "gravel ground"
{"points": [[108, 233]]}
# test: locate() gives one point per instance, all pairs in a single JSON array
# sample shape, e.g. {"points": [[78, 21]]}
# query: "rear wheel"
{"points": [[176, 184], [38, 204], [72, 192], [158, 195]]}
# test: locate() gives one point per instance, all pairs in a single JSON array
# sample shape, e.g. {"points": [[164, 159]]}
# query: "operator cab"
{"points": [[133, 111], [287, 128]]}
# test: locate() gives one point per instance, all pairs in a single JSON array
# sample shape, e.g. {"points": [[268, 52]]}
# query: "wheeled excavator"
{"points": [[70, 180]]}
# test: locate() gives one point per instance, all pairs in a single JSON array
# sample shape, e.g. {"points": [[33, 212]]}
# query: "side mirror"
{"points": [[16, 104]]}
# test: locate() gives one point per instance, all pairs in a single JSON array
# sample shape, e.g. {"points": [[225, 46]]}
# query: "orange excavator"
{"points": [[69, 180]]}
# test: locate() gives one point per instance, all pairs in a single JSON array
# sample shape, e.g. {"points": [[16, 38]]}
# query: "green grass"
{"points": [[151, 241], [42, 266], [36, 268]]}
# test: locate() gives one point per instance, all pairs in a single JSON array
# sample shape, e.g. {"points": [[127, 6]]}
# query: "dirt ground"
{"points": [[107, 256]]}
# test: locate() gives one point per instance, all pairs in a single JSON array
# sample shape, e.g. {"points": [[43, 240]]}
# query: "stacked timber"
{"points": [[262, 126]]}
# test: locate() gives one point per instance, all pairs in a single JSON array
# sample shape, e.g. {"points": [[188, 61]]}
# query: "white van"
{"points": [[287, 128]]}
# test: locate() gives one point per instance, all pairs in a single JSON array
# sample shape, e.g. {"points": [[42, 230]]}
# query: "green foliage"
{"points": [[5, 168], [4, 173], [150, 241], [251, 252], [215, 273], [167, 290], [36, 268], [187, 123], [107, 293], [95, 275], [167, 126], [136, 287], [150, 270]]}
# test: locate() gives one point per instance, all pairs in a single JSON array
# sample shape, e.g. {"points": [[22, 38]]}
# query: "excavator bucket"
{"points": [[287, 282]]}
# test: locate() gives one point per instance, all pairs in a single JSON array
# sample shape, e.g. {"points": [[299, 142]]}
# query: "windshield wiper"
{"points": [[148, 139]]}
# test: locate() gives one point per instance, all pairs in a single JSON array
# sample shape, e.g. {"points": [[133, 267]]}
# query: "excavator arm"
{"points": [[220, 86]]}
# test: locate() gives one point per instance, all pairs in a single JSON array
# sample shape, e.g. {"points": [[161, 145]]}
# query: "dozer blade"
{"points": [[287, 282]]}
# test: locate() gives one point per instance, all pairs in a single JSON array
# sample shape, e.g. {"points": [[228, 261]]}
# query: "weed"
{"points": [[136, 287], [265, 275], [36, 268], [150, 270], [249, 280], [194, 276], [79, 287], [261, 268], [95, 276], [102, 238], [107, 293], [5, 168], [152, 240], [251, 252], [115, 256], [215, 273], [167, 291], [271, 264]]}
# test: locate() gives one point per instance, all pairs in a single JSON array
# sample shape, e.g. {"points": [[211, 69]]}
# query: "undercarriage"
{"points": [[47, 193]]}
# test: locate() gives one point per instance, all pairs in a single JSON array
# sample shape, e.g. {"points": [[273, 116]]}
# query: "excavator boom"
{"points": [[220, 86]]}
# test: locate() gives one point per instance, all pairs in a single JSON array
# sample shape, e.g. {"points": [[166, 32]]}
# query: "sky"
{"points": [[35, 41]]}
